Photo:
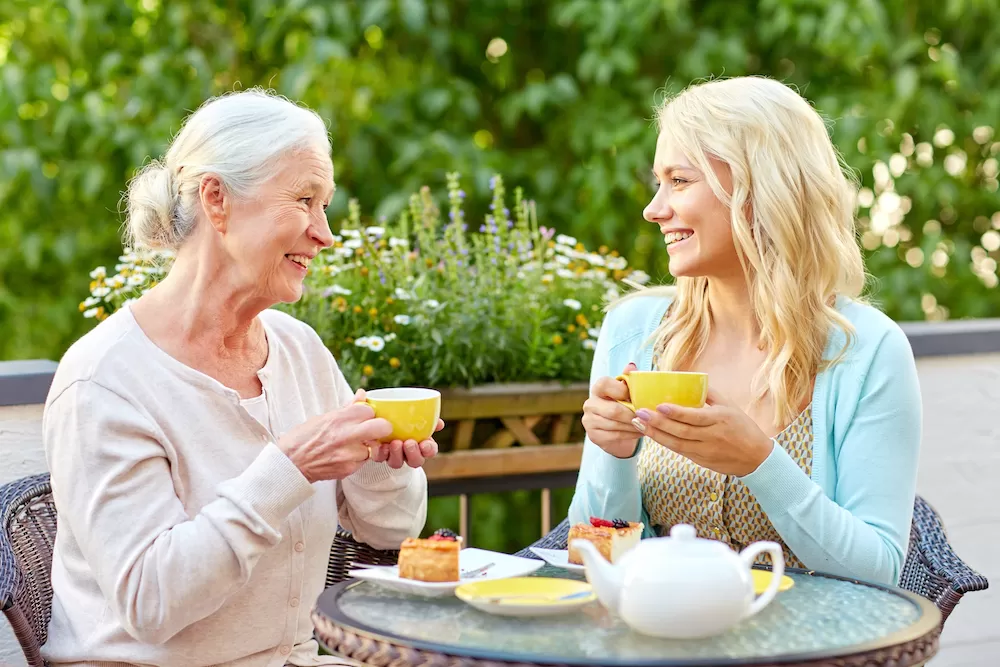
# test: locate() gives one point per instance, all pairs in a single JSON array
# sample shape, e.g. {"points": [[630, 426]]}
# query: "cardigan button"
{"points": [[300, 547]]}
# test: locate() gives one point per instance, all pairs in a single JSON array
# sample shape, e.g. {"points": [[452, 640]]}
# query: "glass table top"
{"points": [[818, 617]]}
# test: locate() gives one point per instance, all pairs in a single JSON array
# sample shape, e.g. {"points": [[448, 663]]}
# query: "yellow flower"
{"points": [[348, 340], [359, 251], [583, 335], [603, 250], [93, 285], [373, 312], [579, 246], [368, 370], [83, 306], [364, 271], [340, 303], [581, 319], [389, 300], [358, 310], [557, 339], [571, 328], [614, 253], [394, 362]]}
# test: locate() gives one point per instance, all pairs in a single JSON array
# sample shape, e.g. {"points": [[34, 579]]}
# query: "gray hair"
{"points": [[238, 137]]}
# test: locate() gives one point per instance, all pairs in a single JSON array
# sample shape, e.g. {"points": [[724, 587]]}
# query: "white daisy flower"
{"points": [[432, 303], [350, 233], [99, 272], [590, 344], [639, 277], [562, 239], [594, 332], [353, 243], [376, 344], [343, 252], [390, 337], [375, 231], [563, 260], [402, 294], [565, 273], [91, 301], [573, 304], [91, 312], [336, 289], [101, 292], [398, 243], [401, 319], [136, 279], [364, 341], [547, 278]]}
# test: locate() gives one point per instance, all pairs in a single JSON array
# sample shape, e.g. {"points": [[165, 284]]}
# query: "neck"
{"points": [[208, 305], [732, 311]]}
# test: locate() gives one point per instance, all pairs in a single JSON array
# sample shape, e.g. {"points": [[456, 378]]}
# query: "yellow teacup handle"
{"points": [[627, 404]]}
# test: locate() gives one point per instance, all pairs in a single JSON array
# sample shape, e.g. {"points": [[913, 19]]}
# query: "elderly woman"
{"points": [[203, 446], [811, 434]]}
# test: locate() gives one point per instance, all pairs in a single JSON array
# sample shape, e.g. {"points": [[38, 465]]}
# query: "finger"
{"points": [[380, 454], [610, 389], [598, 423], [608, 409], [395, 459], [654, 419], [679, 445], [413, 456], [629, 367], [356, 412], [692, 416], [428, 449], [377, 429], [359, 396], [440, 425]]}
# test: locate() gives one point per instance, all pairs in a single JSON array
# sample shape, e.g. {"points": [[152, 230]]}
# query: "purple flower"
{"points": [[451, 216], [506, 212], [494, 260], [465, 227], [493, 207], [381, 277], [510, 224], [482, 228], [493, 182], [465, 251], [461, 194]]}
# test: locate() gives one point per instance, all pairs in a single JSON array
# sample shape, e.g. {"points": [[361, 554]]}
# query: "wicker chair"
{"points": [[27, 534], [932, 569]]}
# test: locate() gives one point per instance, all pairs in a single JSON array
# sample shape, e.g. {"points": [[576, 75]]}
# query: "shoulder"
{"points": [[636, 315], [874, 331], [291, 331], [106, 352]]}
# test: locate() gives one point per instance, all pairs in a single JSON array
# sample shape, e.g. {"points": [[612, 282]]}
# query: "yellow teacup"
{"points": [[651, 388], [412, 411]]}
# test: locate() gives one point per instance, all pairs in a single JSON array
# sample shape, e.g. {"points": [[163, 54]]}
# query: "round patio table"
{"points": [[822, 621]]}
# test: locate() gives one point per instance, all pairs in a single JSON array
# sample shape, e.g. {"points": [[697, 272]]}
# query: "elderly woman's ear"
{"points": [[215, 201]]}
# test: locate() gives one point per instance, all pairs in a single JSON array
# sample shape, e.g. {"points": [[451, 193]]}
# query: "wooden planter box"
{"points": [[504, 437]]}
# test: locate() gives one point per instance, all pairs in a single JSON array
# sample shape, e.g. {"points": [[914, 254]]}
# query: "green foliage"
{"points": [[557, 96]]}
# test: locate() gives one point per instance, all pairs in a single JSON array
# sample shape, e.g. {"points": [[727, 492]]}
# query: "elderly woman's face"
{"points": [[282, 229]]}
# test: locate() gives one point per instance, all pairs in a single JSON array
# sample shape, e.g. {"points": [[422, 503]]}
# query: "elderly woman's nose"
{"points": [[320, 232]]}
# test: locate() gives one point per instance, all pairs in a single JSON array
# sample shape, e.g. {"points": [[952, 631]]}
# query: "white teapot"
{"points": [[682, 586]]}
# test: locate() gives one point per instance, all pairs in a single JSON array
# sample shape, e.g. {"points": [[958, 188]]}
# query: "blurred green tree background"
{"points": [[558, 96]]}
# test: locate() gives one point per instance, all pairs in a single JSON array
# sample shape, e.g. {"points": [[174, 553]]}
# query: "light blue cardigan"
{"points": [[852, 516]]}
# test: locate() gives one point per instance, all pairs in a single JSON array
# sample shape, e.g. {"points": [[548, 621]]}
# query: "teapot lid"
{"points": [[684, 538]]}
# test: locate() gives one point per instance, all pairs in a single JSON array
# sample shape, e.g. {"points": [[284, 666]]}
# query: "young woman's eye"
{"points": [[678, 181]]}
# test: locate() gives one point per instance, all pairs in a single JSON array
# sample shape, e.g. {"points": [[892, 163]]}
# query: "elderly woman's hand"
{"points": [[411, 452], [718, 436], [335, 444]]}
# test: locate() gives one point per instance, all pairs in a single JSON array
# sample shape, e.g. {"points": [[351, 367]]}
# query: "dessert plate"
{"points": [[558, 558], [526, 596], [473, 564]]}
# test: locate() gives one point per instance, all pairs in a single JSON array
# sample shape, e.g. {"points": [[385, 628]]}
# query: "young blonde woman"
{"points": [[811, 432]]}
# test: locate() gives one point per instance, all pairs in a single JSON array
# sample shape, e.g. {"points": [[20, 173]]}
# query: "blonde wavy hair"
{"points": [[792, 210]]}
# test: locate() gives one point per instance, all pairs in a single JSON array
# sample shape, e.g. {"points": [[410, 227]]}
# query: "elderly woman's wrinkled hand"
{"points": [[335, 444], [410, 452]]}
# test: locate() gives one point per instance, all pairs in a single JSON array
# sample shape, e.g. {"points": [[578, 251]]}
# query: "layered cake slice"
{"points": [[432, 559], [612, 538]]}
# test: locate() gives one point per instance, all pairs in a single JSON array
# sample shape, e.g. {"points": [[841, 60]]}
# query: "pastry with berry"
{"points": [[432, 559], [611, 537]]}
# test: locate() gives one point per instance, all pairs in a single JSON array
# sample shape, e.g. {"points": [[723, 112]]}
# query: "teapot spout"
{"points": [[606, 579]]}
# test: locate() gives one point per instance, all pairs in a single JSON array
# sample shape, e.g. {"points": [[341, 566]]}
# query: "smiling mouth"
{"points": [[301, 260], [671, 238]]}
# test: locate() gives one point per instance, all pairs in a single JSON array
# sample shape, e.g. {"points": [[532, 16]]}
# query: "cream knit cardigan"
{"points": [[186, 537]]}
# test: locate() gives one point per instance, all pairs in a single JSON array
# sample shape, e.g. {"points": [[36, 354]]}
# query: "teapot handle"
{"points": [[749, 555]]}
